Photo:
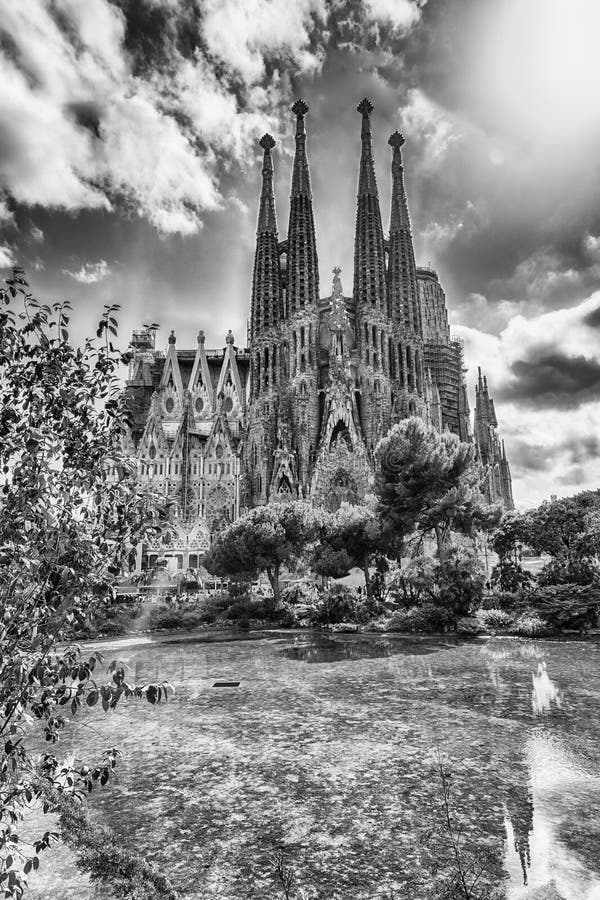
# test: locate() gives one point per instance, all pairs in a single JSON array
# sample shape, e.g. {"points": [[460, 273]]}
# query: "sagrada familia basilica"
{"points": [[299, 412]]}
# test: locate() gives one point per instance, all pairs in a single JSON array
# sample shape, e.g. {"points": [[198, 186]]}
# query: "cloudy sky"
{"points": [[129, 172]]}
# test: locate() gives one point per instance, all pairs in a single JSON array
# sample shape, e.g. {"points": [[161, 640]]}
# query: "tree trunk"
{"points": [[273, 576], [440, 549], [367, 576]]}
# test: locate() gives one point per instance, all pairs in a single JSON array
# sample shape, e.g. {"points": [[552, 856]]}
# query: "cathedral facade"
{"points": [[298, 413]]}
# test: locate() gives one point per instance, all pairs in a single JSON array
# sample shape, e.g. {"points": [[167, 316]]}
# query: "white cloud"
{"points": [[6, 216], [242, 32], [36, 234], [554, 447], [7, 258], [427, 122], [400, 14], [90, 272]]}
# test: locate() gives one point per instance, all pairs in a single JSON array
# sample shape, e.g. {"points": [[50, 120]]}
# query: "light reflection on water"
{"points": [[330, 742]]}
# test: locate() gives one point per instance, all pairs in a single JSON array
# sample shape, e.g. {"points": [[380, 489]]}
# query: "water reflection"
{"points": [[311, 757], [545, 693], [324, 649]]}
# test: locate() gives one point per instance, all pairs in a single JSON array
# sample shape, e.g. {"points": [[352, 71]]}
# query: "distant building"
{"points": [[299, 412], [490, 449]]}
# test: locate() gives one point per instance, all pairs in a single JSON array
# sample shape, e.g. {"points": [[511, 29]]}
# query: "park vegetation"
{"points": [[70, 513]]}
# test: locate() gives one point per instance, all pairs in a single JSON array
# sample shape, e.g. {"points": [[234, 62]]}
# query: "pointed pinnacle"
{"points": [[396, 140], [267, 142], [365, 107], [300, 108]]}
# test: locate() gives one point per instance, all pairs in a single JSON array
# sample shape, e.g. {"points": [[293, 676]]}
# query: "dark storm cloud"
{"points": [[577, 450], [551, 380], [593, 318]]}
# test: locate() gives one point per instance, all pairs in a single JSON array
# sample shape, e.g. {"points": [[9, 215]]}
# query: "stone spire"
{"points": [[302, 262], [403, 291], [369, 253], [266, 307]]}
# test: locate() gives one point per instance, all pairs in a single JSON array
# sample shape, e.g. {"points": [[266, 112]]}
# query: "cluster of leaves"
{"points": [[264, 540], [571, 606], [568, 530], [429, 482], [102, 856], [70, 512]]}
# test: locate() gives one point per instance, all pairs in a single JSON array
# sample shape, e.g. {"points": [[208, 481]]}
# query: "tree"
{"points": [[69, 515], [568, 530], [348, 538], [429, 481], [266, 539]]}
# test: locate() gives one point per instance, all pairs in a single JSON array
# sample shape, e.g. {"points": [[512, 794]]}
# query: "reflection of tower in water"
{"points": [[519, 812]]}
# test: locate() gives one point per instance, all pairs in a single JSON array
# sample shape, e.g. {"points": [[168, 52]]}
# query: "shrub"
{"points": [[495, 618], [303, 594], [243, 610], [172, 617], [505, 600], [428, 618], [566, 571], [530, 625], [461, 586], [338, 604], [567, 605], [345, 628]]}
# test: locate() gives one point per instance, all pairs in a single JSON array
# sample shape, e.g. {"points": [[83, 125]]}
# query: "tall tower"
{"points": [[301, 332], [265, 346], [373, 327], [406, 354], [490, 450]]}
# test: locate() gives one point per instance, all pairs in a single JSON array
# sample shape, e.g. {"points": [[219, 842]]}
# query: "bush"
{"points": [[172, 617], [338, 604], [495, 618], [572, 606], [244, 610], [511, 577], [461, 586], [530, 625], [428, 618], [565, 571], [300, 594], [504, 600]]}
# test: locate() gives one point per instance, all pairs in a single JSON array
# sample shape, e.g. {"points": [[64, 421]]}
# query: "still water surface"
{"points": [[328, 750]]}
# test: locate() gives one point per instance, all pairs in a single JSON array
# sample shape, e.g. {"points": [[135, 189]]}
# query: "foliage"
{"points": [[567, 529], [429, 481], [510, 576], [70, 514], [429, 618], [570, 606], [414, 583], [112, 617], [300, 594], [348, 538], [582, 571], [163, 617], [495, 618], [530, 625], [461, 582], [101, 855], [264, 540], [338, 604]]}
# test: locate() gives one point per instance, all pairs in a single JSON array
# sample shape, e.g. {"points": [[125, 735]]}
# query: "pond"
{"points": [[329, 751]]}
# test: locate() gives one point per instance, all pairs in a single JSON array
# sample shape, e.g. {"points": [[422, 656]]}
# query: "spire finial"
{"points": [[300, 108], [229, 338], [396, 140], [267, 142], [365, 107], [172, 337], [201, 336]]}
